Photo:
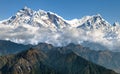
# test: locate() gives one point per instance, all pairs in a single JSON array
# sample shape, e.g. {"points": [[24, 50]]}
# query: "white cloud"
{"points": [[32, 35]]}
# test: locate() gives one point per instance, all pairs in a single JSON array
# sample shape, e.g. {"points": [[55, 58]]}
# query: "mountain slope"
{"points": [[35, 61], [27, 62], [104, 58], [8, 47]]}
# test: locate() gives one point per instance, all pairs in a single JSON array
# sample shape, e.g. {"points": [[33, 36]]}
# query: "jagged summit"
{"points": [[38, 18], [97, 15], [93, 22], [25, 11], [26, 7]]}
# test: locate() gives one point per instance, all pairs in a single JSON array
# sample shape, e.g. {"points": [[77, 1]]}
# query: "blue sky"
{"points": [[68, 9]]}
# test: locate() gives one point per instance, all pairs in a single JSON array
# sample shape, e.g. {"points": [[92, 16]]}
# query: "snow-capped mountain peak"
{"points": [[93, 22], [38, 18], [89, 22], [25, 11], [21, 17]]}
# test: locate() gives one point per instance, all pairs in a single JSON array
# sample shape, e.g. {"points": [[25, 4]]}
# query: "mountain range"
{"points": [[105, 58], [28, 26], [54, 61]]}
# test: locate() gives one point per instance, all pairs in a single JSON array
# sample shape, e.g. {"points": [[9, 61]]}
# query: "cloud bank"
{"points": [[27, 34]]}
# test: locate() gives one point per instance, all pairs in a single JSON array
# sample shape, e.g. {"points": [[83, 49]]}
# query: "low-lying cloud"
{"points": [[27, 34]]}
